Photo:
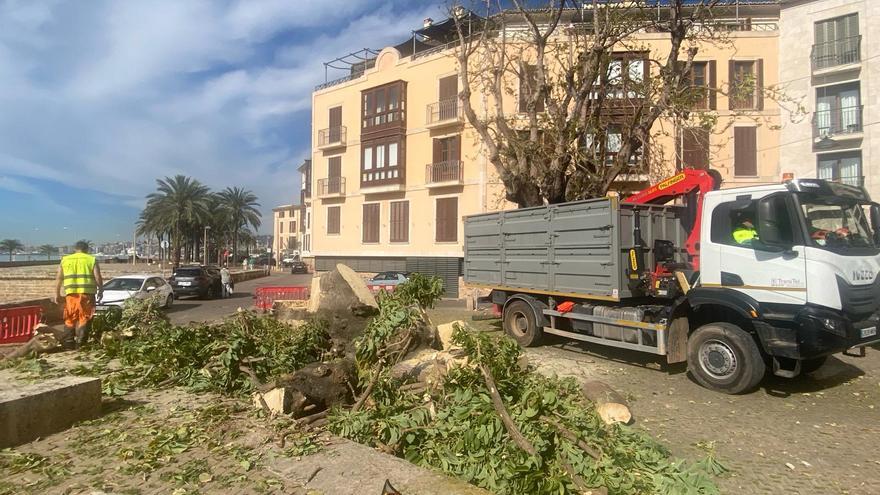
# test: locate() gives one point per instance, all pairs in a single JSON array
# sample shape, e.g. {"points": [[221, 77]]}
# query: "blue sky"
{"points": [[100, 98]]}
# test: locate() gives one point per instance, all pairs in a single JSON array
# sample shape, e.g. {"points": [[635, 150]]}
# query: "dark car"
{"points": [[199, 281], [298, 267]]}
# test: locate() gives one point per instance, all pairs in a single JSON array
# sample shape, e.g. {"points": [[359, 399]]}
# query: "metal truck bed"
{"points": [[576, 249]]}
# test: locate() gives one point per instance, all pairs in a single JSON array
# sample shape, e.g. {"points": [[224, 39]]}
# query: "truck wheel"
{"points": [[521, 324], [724, 358], [811, 365]]}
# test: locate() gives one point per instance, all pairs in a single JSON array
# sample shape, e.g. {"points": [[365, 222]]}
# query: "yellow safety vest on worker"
{"points": [[79, 275], [744, 235]]}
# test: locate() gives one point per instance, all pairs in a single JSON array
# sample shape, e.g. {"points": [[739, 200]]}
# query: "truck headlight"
{"points": [[834, 326]]}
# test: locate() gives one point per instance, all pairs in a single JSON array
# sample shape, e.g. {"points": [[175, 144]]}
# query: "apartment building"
{"points": [[286, 237], [395, 167], [831, 138], [305, 211]]}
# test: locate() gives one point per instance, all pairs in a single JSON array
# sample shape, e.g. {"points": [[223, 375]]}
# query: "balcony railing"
{"points": [[837, 122], [443, 111], [448, 171], [838, 52], [331, 186], [332, 136]]}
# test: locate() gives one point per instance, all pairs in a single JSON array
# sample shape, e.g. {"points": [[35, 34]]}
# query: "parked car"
{"points": [[121, 289], [298, 267], [389, 278], [199, 281]]}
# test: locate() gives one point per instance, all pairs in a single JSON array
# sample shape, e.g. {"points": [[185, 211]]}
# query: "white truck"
{"points": [[797, 282]]}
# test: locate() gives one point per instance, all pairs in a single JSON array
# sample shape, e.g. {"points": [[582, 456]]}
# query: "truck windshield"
{"points": [[834, 223]]}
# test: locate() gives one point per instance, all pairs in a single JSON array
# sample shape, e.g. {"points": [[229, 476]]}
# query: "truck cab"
{"points": [[806, 280]]}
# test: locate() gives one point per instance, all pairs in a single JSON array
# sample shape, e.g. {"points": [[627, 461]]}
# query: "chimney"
{"points": [[428, 22]]}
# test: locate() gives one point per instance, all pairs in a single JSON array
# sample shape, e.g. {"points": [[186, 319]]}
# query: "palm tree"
{"points": [[240, 206], [11, 246], [179, 205], [48, 250]]}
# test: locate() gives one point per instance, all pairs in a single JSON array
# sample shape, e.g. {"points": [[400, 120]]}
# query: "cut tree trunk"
{"points": [[610, 405]]}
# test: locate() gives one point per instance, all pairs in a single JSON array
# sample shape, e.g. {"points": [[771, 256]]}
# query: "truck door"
{"points": [[768, 274]]}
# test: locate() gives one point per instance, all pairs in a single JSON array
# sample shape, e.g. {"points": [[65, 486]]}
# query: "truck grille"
{"points": [[859, 301]]}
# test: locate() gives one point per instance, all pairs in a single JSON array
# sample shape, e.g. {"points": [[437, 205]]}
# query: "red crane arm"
{"points": [[690, 184]]}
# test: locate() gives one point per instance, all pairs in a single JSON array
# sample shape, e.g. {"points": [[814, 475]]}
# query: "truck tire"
{"points": [[521, 324], [724, 358], [811, 365]]}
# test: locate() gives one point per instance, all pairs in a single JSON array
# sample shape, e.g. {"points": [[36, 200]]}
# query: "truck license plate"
{"points": [[869, 332], [184, 284]]}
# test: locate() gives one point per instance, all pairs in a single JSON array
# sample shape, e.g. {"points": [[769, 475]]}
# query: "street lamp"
{"points": [[207, 228]]}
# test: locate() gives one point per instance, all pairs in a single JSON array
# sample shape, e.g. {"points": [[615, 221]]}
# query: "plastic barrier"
{"points": [[377, 287], [17, 324], [265, 297]]}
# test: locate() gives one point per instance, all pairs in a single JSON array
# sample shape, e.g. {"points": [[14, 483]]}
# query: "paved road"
{"points": [[188, 310], [816, 434]]}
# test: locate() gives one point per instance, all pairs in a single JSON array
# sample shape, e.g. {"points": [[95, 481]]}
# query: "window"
{"points": [[694, 148], [371, 223], [729, 217], [447, 107], [837, 42], [745, 151], [384, 105], [843, 167], [281, 214], [382, 161], [447, 220], [333, 214], [528, 85], [335, 130], [281, 227], [624, 77], [292, 226], [702, 85], [838, 109], [334, 175], [613, 142], [291, 243], [746, 84], [399, 221]]}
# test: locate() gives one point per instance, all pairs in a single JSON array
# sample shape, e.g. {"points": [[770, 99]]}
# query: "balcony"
{"points": [[838, 124], [443, 113], [331, 187], [448, 173], [382, 180], [834, 55], [332, 137]]}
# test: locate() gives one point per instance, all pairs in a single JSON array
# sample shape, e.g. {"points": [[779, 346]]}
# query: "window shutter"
{"points": [[371, 223], [711, 67], [438, 150], [731, 83], [334, 167], [455, 148], [745, 152], [333, 219], [400, 221], [335, 117], [448, 87], [759, 84], [447, 213]]}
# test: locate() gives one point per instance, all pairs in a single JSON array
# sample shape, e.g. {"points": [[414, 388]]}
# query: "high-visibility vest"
{"points": [[743, 234], [79, 275]]}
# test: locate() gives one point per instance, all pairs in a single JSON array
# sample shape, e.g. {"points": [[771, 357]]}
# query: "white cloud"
{"points": [[110, 95]]}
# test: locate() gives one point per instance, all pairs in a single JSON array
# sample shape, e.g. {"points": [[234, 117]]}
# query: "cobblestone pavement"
{"points": [[816, 434]]}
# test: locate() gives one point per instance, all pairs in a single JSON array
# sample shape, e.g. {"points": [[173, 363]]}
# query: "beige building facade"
{"points": [[827, 45], [395, 167], [286, 236]]}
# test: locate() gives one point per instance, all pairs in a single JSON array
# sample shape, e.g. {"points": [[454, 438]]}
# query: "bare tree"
{"points": [[590, 89]]}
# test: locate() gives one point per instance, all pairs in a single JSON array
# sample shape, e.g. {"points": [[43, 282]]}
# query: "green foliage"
{"points": [[456, 429], [420, 290], [205, 357]]}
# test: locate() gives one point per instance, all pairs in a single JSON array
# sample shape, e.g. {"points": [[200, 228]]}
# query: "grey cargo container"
{"points": [[576, 249]]}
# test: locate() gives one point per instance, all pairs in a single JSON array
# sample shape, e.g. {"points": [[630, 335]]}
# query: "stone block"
{"points": [[31, 411]]}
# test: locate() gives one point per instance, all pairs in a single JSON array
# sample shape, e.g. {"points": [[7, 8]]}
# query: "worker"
{"points": [[81, 278], [226, 280], [745, 233]]}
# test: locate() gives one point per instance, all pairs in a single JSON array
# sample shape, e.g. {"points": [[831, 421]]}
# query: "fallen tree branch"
{"points": [[572, 437], [498, 403], [307, 420]]}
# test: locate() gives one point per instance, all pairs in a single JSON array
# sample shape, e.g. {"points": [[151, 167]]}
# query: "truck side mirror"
{"points": [[769, 232]]}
